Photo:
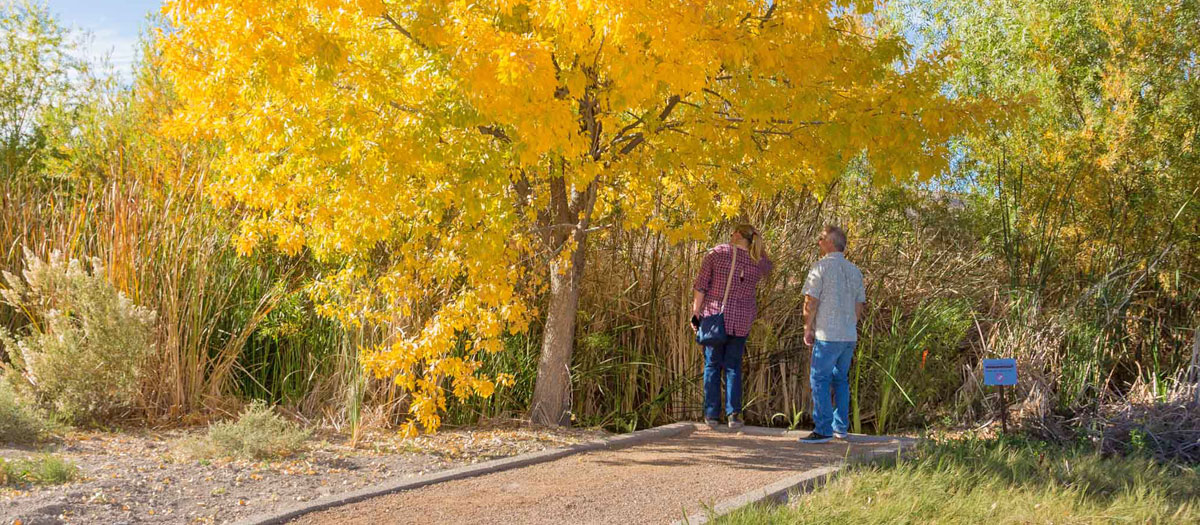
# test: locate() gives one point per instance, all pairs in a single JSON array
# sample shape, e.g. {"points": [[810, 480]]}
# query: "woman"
{"points": [[749, 265]]}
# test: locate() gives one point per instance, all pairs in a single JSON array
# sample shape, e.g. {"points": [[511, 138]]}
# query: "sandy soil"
{"points": [[657, 482], [143, 478]]}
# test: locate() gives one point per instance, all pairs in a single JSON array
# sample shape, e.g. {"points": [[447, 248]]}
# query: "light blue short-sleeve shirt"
{"points": [[838, 285]]}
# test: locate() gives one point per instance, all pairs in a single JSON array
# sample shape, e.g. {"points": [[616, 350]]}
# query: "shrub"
{"points": [[81, 354], [258, 433], [44, 469], [18, 423]]}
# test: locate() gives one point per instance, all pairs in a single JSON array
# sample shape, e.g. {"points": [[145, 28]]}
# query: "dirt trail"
{"points": [[657, 482], [143, 477]]}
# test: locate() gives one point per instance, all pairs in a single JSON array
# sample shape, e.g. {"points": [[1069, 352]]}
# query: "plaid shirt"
{"points": [[742, 307]]}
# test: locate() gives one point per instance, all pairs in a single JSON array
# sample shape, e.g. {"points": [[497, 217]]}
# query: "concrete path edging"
{"points": [[479, 469], [802, 483]]}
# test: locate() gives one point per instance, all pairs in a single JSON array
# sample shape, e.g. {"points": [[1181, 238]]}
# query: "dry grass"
{"points": [[637, 364], [1141, 423]]}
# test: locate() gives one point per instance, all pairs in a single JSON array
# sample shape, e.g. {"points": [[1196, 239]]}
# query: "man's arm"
{"points": [[860, 302], [810, 319], [811, 291]]}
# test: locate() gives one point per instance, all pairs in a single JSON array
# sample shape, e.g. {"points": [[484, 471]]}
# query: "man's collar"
{"points": [[836, 255]]}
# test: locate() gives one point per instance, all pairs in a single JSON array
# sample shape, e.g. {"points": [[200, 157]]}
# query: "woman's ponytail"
{"points": [[757, 250]]}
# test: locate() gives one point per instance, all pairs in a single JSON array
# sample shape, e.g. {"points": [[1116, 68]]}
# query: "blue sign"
{"points": [[1000, 372]]}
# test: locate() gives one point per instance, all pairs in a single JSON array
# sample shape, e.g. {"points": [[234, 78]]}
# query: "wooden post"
{"points": [[1000, 372], [1003, 412]]}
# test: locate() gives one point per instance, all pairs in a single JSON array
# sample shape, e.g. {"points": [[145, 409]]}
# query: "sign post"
{"points": [[1002, 373]]}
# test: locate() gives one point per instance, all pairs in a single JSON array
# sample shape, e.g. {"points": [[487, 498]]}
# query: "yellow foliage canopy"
{"points": [[428, 145]]}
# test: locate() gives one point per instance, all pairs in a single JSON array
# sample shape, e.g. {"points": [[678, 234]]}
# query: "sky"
{"points": [[113, 24]]}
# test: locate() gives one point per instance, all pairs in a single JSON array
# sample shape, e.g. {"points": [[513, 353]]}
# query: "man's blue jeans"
{"points": [[727, 357], [831, 364]]}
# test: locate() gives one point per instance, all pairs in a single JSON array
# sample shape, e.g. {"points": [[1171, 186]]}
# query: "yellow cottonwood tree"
{"points": [[454, 156]]}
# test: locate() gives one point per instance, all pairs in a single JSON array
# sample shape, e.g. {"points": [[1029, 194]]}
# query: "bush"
{"points": [[44, 469], [18, 423], [258, 433], [82, 352]]}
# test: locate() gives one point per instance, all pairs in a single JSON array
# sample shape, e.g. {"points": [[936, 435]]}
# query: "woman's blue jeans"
{"points": [[831, 364], [726, 357]]}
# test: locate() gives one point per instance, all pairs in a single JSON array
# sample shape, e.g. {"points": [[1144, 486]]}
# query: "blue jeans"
{"points": [[831, 363], [727, 357]]}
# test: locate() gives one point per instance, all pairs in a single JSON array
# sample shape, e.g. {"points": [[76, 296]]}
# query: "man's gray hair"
{"points": [[837, 236]]}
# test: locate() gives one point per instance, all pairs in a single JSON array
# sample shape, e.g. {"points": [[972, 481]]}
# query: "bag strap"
{"points": [[729, 280]]}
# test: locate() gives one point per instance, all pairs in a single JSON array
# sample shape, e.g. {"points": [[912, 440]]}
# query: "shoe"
{"points": [[814, 438], [712, 423], [735, 421], [840, 435]]}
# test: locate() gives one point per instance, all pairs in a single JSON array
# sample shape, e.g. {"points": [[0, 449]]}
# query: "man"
{"points": [[833, 302]]}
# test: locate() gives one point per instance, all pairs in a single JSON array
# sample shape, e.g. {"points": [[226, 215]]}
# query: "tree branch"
{"points": [[404, 108], [671, 103], [637, 138], [620, 136], [495, 131], [388, 17]]}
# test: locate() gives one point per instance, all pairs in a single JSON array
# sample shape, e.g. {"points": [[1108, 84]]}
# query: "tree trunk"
{"points": [[551, 403], [567, 218]]}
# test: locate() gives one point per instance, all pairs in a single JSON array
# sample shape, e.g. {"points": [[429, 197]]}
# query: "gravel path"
{"points": [[141, 477], [658, 482]]}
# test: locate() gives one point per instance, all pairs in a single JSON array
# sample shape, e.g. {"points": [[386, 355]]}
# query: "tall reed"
{"points": [[120, 193]]}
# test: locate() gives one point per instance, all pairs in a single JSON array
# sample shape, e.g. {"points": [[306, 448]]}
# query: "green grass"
{"points": [[997, 481], [44, 469]]}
